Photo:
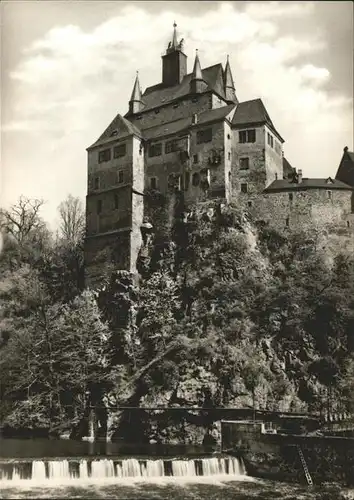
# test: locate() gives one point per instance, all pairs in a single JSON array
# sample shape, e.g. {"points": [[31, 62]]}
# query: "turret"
{"points": [[229, 86], [197, 84], [174, 62], [135, 103]]}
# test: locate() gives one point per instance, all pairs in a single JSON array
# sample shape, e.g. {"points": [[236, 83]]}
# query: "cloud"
{"points": [[271, 10], [70, 83]]}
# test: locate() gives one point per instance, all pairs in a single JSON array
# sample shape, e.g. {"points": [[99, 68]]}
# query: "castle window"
{"points": [[171, 146], [244, 188], [99, 206], [187, 179], [291, 196], [244, 163], [348, 223], [229, 176], [249, 204], [195, 179], [287, 222], [104, 155], [97, 183], [153, 182], [329, 195], [120, 176], [247, 135], [120, 151], [204, 135], [229, 156], [195, 158], [228, 136], [270, 140], [116, 201], [155, 149]]}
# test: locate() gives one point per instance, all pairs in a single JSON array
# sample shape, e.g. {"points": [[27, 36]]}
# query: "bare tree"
{"points": [[22, 219], [72, 219]]}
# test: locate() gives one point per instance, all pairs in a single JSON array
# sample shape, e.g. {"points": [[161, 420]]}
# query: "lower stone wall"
{"points": [[277, 455], [295, 209]]}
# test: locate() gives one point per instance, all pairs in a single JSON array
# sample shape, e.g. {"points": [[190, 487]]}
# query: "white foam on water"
{"points": [[125, 481], [125, 472]]}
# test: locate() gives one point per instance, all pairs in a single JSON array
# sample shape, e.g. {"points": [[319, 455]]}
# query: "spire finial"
{"points": [[174, 44]]}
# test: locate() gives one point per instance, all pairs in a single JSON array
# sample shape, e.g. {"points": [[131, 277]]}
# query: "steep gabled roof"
{"points": [[286, 185], [158, 95], [183, 124], [251, 113], [119, 128], [345, 172]]}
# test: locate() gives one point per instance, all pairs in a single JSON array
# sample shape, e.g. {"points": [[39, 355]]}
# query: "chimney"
{"points": [[299, 176], [194, 118]]}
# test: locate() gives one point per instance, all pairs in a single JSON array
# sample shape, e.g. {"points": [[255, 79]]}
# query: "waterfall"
{"points": [[84, 469]]}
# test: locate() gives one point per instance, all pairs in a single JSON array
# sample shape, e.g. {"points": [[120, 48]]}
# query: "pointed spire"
{"points": [[229, 86], [197, 70], [136, 98], [197, 83], [136, 94]]}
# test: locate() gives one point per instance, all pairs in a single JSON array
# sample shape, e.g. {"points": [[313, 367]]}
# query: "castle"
{"points": [[191, 134]]}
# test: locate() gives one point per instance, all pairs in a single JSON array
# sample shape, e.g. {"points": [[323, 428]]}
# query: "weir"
{"points": [[83, 469]]}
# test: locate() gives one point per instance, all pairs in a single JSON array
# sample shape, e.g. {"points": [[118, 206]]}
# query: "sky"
{"points": [[68, 68]]}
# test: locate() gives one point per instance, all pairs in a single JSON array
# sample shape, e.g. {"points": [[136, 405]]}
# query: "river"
{"points": [[42, 468]]}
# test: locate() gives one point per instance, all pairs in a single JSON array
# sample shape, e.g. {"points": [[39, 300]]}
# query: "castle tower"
{"points": [[135, 103], [174, 62], [229, 86], [197, 84]]}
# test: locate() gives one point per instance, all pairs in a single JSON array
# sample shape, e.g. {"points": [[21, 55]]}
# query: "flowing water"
{"points": [[51, 469]]}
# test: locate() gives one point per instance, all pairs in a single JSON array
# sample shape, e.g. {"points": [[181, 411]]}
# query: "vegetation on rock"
{"points": [[227, 312]]}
